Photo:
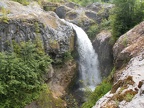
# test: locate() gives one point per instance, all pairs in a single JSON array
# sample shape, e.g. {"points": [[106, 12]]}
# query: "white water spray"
{"points": [[88, 59]]}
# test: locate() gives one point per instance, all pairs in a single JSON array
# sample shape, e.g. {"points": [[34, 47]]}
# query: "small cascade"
{"points": [[88, 60]]}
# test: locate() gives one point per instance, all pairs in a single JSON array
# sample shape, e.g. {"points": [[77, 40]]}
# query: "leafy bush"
{"points": [[67, 56], [93, 30], [100, 90], [21, 76], [96, 28]]}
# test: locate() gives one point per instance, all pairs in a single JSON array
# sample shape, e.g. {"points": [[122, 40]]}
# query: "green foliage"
{"points": [[105, 24], [4, 17], [71, 102], [54, 0], [126, 14], [21, 75], [67, 56], [24, 2], [46, 99], [111, 75], [100, 90], [96, 28], [105, 0], [128, 97], [37, 29], [86, 2], [61, 60], [93, 30]]}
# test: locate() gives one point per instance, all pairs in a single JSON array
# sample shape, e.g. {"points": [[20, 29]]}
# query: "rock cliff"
{"points": [[103, 47], [31, 22], [128, 87], [20, 23]]}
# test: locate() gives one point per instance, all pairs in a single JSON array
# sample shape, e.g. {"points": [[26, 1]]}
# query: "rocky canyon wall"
{"points": [[128, 87]]}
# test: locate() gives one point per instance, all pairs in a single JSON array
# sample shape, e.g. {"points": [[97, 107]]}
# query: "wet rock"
{"points": [[61, 11]]}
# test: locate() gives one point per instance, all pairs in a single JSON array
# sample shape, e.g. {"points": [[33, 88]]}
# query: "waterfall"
{"points": [[88, 59]]}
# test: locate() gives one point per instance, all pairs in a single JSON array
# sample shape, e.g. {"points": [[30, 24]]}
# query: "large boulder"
{"points": [[128, 87], [129, 45], [84, 16], [103, 48], [62, 78], [102, 9]]}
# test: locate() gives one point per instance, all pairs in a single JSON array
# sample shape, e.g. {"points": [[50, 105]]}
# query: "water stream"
{"points": [[88, 60]]}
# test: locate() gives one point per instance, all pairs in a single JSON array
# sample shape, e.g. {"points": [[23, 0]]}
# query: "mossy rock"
{"points": [[71, 15], [54, 44]]}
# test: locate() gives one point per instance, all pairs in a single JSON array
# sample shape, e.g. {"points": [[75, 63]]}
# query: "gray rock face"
{"points": [[31, 23], [128, 88], [129, 45], [101, 8], [104, 50], [61, 11], [127, 92]]}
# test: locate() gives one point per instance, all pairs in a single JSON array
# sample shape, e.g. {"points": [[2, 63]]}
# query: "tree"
{"points": [[126, 14]]}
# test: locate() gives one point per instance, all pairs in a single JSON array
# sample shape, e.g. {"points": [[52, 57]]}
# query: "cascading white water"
{"points": [[88, 59]]}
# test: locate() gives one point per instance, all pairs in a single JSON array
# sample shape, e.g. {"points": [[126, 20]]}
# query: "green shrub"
{"points": [[21, 76], [67, 56], [105, 24], [4, 17], [100, 90], [87, 2], [93, 30], [71, 101], [46, 99], [24, 2], [97, 28], [128, 97]]}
